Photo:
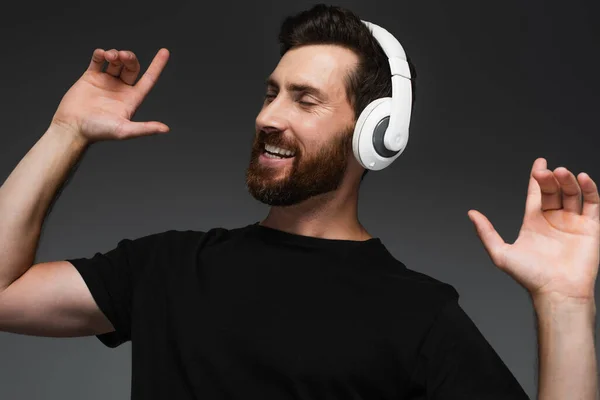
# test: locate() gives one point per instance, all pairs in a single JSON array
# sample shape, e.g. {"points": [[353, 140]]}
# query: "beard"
{"points": [[306, 176]]}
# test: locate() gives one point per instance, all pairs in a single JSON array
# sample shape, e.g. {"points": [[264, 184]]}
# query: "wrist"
{"points": [[559, 305], [65, 130]]}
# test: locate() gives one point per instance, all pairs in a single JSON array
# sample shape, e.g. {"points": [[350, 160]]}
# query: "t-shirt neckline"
{"points": [[279, 236]]}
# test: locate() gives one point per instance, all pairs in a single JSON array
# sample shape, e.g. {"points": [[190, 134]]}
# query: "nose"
{"points": [[272, 117]]}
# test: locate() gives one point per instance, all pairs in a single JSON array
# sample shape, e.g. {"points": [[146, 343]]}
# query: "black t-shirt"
{"points": [[258, 313]]}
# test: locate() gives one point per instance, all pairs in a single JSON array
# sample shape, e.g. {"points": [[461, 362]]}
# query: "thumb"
{"points": [[492, 242], [130, 129]]}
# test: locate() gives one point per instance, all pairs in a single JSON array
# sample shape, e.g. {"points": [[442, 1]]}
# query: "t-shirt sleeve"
{"points": [[112, 276], [457, 362]]}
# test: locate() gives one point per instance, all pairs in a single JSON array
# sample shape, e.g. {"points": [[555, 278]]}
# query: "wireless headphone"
{"points": [[381, 131]]}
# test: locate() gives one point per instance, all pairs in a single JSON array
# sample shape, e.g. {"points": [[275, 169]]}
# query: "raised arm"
{"points": [[51, 299], [556, 258]]}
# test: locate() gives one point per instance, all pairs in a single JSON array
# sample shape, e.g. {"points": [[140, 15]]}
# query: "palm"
{"points": [[108, 103], [558, 247]]}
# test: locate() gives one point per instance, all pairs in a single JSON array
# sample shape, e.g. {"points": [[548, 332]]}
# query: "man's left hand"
{"points": [[557, 252]]}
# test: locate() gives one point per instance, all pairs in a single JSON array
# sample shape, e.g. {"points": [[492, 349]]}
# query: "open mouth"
{"points": [[277, 152]]}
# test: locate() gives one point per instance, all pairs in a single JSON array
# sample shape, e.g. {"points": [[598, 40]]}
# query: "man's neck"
{"points": [[326, 216]]}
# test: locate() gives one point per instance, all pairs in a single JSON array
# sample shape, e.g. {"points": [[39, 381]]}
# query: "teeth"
{"points": [[278, 150], [269, 155]]}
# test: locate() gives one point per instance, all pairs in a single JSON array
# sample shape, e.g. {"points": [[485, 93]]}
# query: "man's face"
{"points": [[305, 111]]}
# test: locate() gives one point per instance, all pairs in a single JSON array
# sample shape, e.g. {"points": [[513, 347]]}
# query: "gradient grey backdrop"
{"points": [[498, 85]]}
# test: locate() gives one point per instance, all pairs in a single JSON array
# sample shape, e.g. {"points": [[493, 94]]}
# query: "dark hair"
{"points": [[324, 24]]}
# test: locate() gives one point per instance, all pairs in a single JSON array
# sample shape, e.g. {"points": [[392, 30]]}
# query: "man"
{"points": [[305, 304]]}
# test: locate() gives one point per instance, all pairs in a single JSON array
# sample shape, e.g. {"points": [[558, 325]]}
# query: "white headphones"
{"points": [[381, 131]]}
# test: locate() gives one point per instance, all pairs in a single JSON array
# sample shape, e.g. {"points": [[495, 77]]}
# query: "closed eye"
{"points": [[271, 96]]}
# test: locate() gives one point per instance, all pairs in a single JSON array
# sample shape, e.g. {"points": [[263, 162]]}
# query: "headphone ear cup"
{"points": [[367, 140], [360, 132]]}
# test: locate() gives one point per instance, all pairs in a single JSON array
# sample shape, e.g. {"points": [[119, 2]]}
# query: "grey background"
{"points": [[498, 85]]}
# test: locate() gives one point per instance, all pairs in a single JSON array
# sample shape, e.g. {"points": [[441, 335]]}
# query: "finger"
{"points": [[97, 61], [115, 64], [151, 75], [591, 200], [571, 193], [131, 67], [130, 129], [533, 203], [551, 198], [492, 241]]}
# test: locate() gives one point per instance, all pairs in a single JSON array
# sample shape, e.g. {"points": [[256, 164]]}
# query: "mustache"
{"points": [[274, 139]]}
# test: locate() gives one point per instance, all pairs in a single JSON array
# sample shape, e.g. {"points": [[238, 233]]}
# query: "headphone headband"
{"points": [[393, 138], [392, 49]]}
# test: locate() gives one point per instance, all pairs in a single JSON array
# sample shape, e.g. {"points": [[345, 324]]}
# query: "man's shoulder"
{"points": [[419, 285], [208, 235], [424, 281]]}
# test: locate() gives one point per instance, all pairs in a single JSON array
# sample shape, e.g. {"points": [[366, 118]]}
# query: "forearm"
{"points": [[567, 354], [26, 195]]}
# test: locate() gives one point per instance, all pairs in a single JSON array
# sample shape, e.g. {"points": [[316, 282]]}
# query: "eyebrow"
{"points": [[299, 87]]}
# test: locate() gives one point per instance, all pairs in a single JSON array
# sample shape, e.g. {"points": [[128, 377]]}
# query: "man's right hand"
{"points": [[100, 105]]}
